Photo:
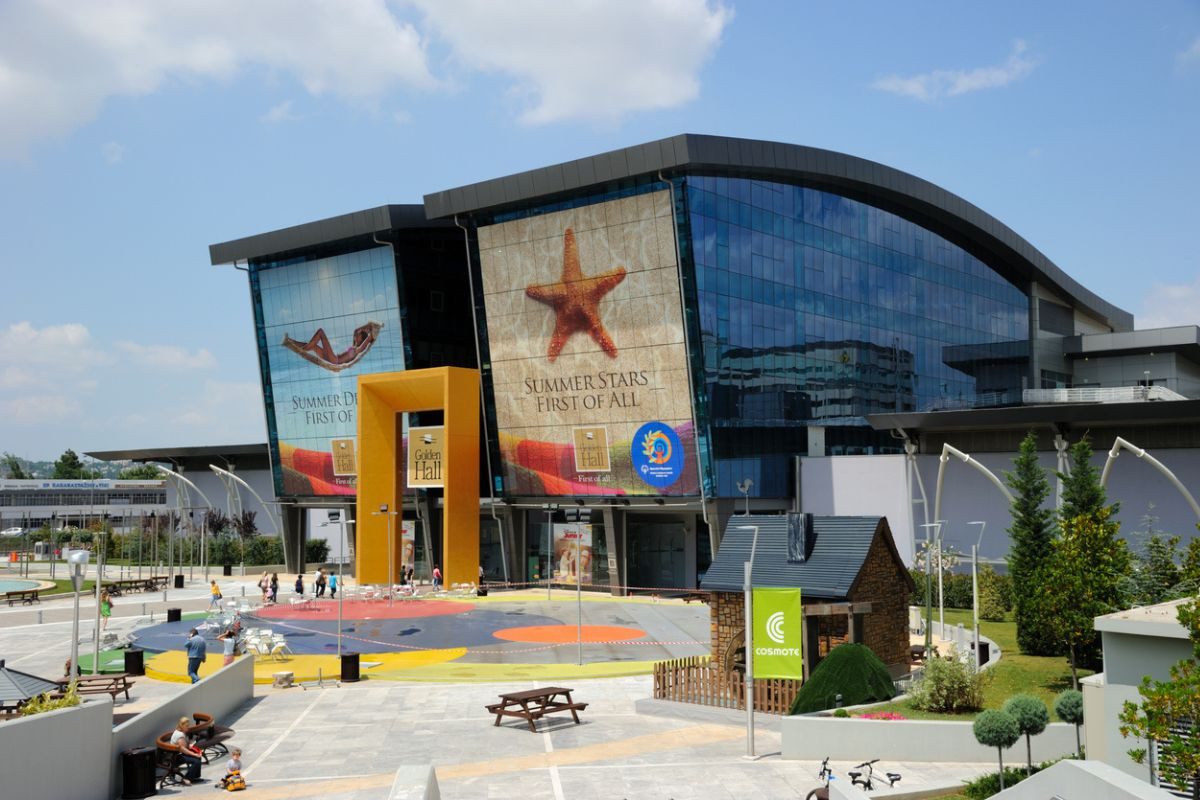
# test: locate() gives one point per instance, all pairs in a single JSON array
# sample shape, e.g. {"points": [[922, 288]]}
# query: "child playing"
{"points": [[233, 772]]}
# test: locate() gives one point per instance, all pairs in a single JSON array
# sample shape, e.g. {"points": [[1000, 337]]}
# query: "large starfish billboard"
{"points": [[589, 369]]}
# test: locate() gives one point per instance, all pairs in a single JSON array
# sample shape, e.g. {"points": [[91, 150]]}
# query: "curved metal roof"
{"points": [[884, 187]]}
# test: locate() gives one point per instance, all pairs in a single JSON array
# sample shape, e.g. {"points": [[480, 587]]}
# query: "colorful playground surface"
{"points": [[509, 636]]}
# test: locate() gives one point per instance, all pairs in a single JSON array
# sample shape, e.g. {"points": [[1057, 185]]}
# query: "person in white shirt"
{"points": [[188, 753]]}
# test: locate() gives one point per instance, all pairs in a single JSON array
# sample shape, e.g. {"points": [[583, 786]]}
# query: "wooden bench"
{"points": [[209, 736], [533, 704], [100, 684], [26, 596], [169, 768]]}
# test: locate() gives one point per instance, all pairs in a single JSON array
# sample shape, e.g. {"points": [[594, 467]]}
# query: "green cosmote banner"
{"points": [[778, 633]]}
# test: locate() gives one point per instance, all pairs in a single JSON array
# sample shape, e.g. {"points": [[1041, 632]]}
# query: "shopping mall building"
{"points": [[674, 332]]}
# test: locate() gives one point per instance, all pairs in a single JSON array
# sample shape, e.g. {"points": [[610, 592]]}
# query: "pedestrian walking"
{"points": [[316, 582], [410, 573], [197, 651], [300, 585], [215, 591], [274, 587], [437, 577], [321, 583], [333, 586], [264, 584], [105, 608]]}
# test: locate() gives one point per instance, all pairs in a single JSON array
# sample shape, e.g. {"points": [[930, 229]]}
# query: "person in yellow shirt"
{"points": [[216, 595]]}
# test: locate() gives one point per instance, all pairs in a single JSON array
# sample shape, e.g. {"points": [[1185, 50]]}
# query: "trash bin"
{"points": [[350, 667], [135, 661], [174, 614], [227, 570], [984, 652], [178, 581], [137, 772]]}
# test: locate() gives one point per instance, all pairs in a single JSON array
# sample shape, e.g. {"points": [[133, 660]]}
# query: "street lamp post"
{"points": [[747, 589], [78, 561], [342, 524], [744, 487], [99, 581], [936, 536], [975, 585], [549, 508], [383, 510]]}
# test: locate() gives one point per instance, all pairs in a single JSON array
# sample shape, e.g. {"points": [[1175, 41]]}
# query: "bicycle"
{"points": [[867, 783], [826, 774]]}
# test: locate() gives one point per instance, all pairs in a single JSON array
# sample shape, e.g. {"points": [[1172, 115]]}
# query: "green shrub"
{"points": [[316, 551], [1068, 705], [264, 550], [850, 670], [949, 686], [841, 713], [43, 703], [1032, 717], [987, 785]]}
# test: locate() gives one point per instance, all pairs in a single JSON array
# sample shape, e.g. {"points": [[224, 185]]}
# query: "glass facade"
{"points": [[815, 310]]}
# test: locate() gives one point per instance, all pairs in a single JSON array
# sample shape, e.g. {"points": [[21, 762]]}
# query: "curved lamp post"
{"points": [[203, 520], [1152, 461]]}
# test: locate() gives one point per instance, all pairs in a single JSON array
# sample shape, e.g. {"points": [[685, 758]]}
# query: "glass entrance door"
{"points": [[655, 554]]}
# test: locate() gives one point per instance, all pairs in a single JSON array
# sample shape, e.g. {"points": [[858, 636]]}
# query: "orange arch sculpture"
{"points": [[382, 397]]}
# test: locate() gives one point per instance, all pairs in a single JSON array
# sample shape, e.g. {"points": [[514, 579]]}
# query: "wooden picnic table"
{"points": [[25, 596], [100, 684], [533, 704]]}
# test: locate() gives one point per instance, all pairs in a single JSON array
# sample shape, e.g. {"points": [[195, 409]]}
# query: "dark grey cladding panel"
{"points": [[312, 234]]}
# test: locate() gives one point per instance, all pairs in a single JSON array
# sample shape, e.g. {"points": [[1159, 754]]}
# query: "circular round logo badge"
{"points": [[657, 454]]}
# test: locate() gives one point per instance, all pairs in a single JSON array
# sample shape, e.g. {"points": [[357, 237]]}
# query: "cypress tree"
{"points": [[1030, 536], [1083, 495]]}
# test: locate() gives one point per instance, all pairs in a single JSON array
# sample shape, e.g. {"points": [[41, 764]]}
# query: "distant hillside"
{"points": [[45, 469]]}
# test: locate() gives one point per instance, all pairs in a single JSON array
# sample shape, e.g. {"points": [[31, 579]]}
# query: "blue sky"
{"points": [[136, 133]]}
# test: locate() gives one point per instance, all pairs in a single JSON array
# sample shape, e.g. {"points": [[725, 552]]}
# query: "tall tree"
{"points": [[70, 466], [1030, 534], [1082, 580], [1170, 713], [1082, 492], [15, 469]]}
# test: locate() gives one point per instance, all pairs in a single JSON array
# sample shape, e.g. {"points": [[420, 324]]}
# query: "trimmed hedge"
{"points": [[850, 670]]}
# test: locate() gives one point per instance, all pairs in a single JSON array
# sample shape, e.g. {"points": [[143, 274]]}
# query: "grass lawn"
{"points": [[63, 586], [1016, 673]]}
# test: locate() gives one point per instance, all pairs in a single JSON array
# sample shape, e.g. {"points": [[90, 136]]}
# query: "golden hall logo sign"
{"points": [[587, 346], [426, 457]]}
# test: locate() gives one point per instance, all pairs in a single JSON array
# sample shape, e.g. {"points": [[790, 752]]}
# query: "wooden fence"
{"points": [[697, 680]]}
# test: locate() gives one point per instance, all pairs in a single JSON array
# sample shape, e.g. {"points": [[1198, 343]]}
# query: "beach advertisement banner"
{"points": [[589, 361], [326, 322]]}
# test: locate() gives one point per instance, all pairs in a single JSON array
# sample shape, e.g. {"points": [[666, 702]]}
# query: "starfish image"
{"points": [[575, 300]]}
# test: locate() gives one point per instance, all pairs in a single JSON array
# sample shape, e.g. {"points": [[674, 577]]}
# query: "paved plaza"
{"points": [[348, 741]]}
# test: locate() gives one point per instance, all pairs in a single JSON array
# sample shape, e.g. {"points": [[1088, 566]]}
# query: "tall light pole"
{"points": [[203, 520], [929, 540], [78, 561], [744, 487], [99, 576], [975, 585], [342, 524], [747, 590], [383, 510], [549, 508]]}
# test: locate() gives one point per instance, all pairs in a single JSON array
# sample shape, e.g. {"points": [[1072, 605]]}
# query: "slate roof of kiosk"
{"points": [[838, 551]]}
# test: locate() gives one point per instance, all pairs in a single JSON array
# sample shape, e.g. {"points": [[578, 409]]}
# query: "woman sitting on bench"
{"points": [[189, 754]]}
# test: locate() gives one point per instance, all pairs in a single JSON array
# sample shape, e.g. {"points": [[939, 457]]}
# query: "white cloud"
{"points": [[280, 113], [112, 152], [66, 347], [598, 60], [229, 411], [1190, 54], [60, 60], [401, 117], [37, 409], [1166, 305], [167, 356], [939, 83]]}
